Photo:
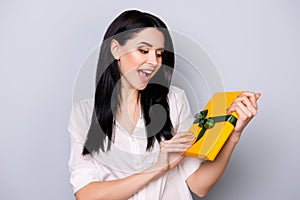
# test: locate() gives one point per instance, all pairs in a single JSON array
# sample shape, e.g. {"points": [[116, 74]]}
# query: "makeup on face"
{"points": [[141, 57]]}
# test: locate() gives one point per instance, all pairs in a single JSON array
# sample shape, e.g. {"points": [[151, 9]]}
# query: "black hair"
{"points": [[106, 99]]}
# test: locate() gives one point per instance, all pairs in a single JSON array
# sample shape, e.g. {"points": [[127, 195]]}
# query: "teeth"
{"points": [[147, 71]]}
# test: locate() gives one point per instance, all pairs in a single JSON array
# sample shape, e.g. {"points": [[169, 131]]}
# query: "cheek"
{"points": [[130, 62]]}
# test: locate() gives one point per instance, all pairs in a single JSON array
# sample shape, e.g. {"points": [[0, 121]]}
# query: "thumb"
{"points": [[257, 95]]}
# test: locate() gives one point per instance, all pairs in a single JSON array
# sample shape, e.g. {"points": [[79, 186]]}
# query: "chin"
{"points": [[142, 87]]}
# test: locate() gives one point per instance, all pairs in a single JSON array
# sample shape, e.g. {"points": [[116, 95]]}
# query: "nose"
{"points": [[152, 58]]}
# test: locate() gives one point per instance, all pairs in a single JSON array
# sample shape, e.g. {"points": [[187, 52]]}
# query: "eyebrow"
{"points": [[150, 45]]}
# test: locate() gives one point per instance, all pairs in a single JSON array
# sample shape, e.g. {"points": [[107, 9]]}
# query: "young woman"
{"points": [[127, 141]]}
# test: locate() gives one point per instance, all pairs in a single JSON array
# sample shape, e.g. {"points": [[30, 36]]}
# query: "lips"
{"points": [[144, 72]]}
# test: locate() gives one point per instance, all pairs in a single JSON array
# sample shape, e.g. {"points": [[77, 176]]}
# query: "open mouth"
{"points": [[145, 73]]}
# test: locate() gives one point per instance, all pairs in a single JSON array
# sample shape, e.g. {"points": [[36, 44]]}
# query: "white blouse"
{"points": [[128, 154]]}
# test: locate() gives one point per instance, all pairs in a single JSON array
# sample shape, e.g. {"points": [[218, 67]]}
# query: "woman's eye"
{"points": [[159, 55], [143, 51]]}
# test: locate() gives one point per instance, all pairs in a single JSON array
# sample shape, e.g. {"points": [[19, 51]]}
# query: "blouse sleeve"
{"points": [[82, 168], [185, 119]]}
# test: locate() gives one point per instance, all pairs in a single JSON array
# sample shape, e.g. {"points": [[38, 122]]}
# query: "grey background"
{"points": [[254, 45]]}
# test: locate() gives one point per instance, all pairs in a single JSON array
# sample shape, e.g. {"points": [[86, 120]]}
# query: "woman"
{"points": [[127, 142]]}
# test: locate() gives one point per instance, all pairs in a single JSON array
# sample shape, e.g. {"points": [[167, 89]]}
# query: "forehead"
{"points": [[151, 36]]}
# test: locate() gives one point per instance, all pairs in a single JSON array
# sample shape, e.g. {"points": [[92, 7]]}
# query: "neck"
{"points": [[129, 110], [129, 96]]}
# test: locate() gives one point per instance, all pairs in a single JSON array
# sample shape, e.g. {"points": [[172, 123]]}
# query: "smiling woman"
{"points": [[127, 141], [140, 58]]}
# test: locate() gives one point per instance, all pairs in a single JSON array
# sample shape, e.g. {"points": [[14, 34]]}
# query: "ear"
{"points": [[115, 49]]}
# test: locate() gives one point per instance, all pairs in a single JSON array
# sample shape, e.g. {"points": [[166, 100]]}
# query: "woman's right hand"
{"points": [[171, 151]]}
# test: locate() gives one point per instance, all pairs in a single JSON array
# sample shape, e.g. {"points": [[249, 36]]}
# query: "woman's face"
{"points": [[140, 58]]}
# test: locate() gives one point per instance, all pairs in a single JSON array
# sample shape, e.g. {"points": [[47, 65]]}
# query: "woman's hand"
{"points": [[245, 105], [206, 176], [171, 151]]}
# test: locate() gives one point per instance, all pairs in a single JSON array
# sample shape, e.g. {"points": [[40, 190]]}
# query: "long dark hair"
{"points": [[106, 100]]}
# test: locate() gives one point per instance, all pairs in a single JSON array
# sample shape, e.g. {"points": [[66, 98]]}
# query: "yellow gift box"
{"points": [[212, 126]]}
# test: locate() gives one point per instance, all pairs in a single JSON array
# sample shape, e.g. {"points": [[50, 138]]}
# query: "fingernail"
{"points": [[257, 95]]}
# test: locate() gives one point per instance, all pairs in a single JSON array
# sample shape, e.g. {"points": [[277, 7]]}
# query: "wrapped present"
{"points": [[212, 126]]}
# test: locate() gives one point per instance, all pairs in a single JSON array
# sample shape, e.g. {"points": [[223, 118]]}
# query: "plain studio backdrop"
{"points": [[254, 45]]}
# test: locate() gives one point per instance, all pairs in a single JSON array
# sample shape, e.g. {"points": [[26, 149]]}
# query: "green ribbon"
{"points": [[207, 123]]}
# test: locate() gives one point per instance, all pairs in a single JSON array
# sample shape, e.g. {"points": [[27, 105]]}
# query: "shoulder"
{"points": [[180, 113], [177, 97], [175, 90], [80, 116], [83, 107], [175, 93]]}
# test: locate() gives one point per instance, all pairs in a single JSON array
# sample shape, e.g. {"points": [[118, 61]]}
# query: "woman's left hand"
{"points": [[245, 105]]}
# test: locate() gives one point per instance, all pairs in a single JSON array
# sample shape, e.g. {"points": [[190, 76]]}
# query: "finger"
{"points": [[242, 111], [187, 139], [174, 148], [257, 95], [177, 145], [237, 107], [182, 134], [251, 96], [249, 105], [232, 108]]}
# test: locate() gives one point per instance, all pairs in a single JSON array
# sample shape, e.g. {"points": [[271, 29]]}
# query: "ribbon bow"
{"points": [[207, 123]]}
